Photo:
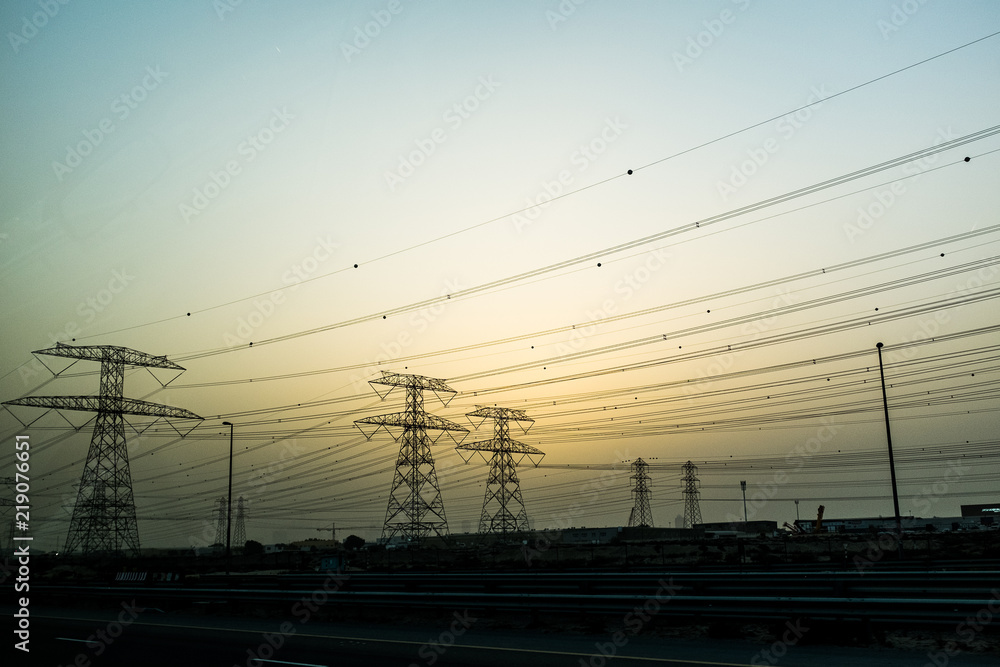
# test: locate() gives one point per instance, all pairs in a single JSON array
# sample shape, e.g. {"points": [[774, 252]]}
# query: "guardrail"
{"points": [[942, 599]]}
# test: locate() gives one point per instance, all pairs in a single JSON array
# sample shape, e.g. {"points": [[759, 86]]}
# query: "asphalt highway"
{"points": [[149, 637]]}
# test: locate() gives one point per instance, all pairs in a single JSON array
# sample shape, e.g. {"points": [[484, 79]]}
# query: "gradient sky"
{"points": [[235, 163]]}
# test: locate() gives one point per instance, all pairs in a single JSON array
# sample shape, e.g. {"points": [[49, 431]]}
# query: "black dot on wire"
{"points": [[598, 264], [251, 343], [383, 317], [355, 266], [876, 310], [968, 159], [189, 314], [942, 254], [629, 172]]}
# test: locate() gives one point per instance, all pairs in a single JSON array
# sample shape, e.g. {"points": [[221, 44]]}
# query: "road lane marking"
{"points": [[666, 661]]}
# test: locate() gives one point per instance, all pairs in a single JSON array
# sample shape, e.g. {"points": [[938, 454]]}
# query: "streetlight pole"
{"points": [[229, 500], [796, 510], [892, 465], [743, 486]]}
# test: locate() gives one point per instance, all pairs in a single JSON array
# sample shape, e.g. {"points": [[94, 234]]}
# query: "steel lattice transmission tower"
{"points": [[641, 515], [104, 518], [220, 522], [692, 510], [240, 539], [503, 506], [416, 508]]}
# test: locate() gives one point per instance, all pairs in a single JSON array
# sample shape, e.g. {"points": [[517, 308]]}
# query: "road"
{"points": [[149, 638]]}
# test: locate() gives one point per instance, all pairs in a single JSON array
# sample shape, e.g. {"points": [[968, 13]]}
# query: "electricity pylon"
{"points": [[641, 515], [416, 508], [692, 510], [104, 518], [503, 506], [220, 522], [241, 528]]}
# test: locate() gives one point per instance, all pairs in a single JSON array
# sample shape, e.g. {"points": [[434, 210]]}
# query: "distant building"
{"points": [[988, 515], [740, 528]]}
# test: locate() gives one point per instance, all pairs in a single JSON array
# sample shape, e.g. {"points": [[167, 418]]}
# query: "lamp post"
{"points": [[229, 500], [892, 465], [743, 486]]}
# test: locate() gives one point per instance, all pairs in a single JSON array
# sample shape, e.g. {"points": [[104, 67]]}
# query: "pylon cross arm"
{"points": [[409, 420], [126, 355], [125, 406]]}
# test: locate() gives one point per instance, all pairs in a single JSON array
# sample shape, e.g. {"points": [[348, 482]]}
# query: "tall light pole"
{"points": [[796, 510], [743, 486], [229, 499], [892, 465]]}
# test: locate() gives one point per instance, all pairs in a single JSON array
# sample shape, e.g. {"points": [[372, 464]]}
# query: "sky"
{"points": [[667, 230]]}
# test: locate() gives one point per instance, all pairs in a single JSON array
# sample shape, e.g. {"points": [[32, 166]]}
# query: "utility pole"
{"points": [[692, 510], [743, 486], [104, 520], [229, 499], [416, 507], [503, 507], [892, 465], [641, 515]]}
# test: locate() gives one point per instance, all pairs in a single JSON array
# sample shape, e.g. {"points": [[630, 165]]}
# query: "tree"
{"points": [[353, 543], [253, 548]]}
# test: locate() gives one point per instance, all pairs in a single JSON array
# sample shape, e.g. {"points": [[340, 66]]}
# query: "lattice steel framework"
{"points": [[692, 510], [641, 515], [416, 507], [220, 521], [104, 518], [503, 506], [240, 538]]}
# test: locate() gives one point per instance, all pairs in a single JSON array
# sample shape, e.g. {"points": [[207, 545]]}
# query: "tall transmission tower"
{"points": [[641, 515], [240, 539], [416, 508], [692, 510], [104, 518], [220, 522], [503, 506]]}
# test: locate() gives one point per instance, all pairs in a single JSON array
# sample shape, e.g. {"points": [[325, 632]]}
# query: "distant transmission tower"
{"points": [[240, 539], [641, 515], [220, 523], [104, 515], [416, 508], [503, 506], [692, 510]]}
